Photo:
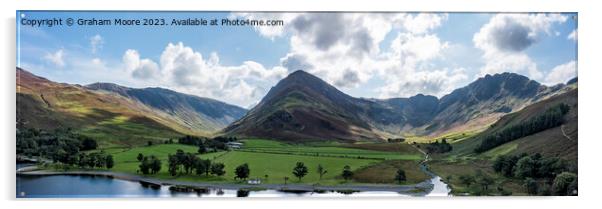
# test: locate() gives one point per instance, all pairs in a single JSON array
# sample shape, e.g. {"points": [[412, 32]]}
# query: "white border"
{"points": [[589, 99]]}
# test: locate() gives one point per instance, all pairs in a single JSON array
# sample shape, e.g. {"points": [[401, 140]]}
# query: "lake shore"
{"points": [[420, 189]]}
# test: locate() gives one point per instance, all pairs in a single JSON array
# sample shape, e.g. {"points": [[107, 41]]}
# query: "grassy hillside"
{"points": [[559, 142], [112, 120], [548, 142]]}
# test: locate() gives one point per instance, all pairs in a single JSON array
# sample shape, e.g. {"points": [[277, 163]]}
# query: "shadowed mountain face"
{"points": [[197, 112], [303, 106]]}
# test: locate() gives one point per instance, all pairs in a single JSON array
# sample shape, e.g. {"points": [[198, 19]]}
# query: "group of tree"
{"points": [[206, 144], [95, 160], [148, 165], [186, 163], [395, 140], [436, 147], [540, 175], [60, 145], [550, 118], [480, 180]]}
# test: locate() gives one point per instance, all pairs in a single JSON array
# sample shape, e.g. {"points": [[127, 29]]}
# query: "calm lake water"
{"points": [[72, 186]]}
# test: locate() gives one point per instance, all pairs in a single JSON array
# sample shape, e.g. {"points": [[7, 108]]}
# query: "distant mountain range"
{"points": [[300, 107], [193, 111], [119, 114]]}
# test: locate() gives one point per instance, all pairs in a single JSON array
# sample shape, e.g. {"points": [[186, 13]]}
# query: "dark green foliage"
{"points": [[531, 186], [484, 181], [144, 166], [60, 145], [300, 170], [467, 180], [94, 160], [529, 166], [173, 164], [218, 169], [436, 147], [400, 175], [242, 171], [155, 165], [140, 157], [204, 144], [87, 143], [565, 184], [395, 140], [526, 167], [552, 117], [505, 164], [347, 173], [533, 167], [202, 149], [109, 162]]}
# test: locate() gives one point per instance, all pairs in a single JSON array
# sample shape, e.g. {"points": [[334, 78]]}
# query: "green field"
{"points": [[274, 147], [276, 160]]}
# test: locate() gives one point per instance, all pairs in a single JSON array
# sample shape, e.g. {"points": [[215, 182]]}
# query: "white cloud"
{"points": [[139, 68], [572, 35], [96, 43], [56, 58], [438, 83], [183, 69], [97, 61], [409, 71], [423, 22], [562, 73], [344, 48], [505, 38]]}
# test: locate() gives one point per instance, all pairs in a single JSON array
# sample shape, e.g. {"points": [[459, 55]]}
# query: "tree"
{"points": [[400, 175], [218, 169], [347, 173], [88, 144], [188, 161], [173, 167], [563, 182], [140, 157], [531, 186], [202, 148], [155, 164], [242, 171], [321, 171], [526, 167], [201, 167], [300, 170], [109, 163], [206, 165], [285, 179], [149, 143], [83, 160], [145, 166], [466, 180], [484, 180]]}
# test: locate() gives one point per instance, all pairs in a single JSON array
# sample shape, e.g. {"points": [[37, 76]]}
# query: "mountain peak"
{"points": [[122, 90]]}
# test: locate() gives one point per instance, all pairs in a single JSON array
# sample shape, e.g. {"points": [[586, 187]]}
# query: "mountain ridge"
{"points": [[480, 103]]}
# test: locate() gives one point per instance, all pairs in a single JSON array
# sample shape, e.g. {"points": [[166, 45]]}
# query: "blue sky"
{"points": [[364, 54]]}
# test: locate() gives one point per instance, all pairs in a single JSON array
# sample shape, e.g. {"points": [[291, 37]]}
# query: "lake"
{"points": [[86, 186]]}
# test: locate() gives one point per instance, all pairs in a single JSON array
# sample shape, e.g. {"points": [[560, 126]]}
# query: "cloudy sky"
{"points": [[374, 55]]}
